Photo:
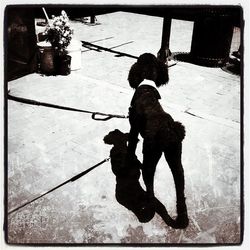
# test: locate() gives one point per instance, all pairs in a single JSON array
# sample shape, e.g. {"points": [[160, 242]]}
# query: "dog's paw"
{"points": [[181, 221], [146, 213]]}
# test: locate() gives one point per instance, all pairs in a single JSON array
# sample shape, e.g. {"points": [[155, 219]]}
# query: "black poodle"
{"points": [[129, 192], [160, 132]]}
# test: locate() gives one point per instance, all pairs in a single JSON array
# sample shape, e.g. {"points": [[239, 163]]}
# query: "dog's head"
{"points": [[115, 137], [148, 67]]}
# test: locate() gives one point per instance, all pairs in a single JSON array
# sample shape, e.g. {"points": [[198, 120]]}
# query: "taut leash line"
{"points": [[74, 178], [50, 105]]}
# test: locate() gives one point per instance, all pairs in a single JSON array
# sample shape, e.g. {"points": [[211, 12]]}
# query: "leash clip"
{"points": [[93, 116], [106, 116]]}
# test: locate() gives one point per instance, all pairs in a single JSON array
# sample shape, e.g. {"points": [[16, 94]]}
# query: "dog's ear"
{"points": [[162, 74], [135, 75]]}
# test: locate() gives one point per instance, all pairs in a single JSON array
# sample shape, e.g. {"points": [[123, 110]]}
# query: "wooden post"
{"points": [[92, 19], [164, 51]]}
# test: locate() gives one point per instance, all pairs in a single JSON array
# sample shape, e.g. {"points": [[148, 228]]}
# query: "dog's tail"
{"points": [[180, 130]]}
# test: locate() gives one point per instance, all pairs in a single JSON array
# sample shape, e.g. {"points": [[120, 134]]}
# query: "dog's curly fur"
{"points": [[160, 132], [129, 192], [147, 65]]}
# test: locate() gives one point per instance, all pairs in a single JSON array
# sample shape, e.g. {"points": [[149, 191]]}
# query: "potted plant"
{"points": [[59, 34]]}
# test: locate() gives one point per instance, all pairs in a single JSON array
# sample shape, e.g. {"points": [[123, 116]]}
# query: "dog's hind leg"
{"points": [[173, 157]]}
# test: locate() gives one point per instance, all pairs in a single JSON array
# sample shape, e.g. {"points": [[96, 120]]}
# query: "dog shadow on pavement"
{"points": [[129, 192]]}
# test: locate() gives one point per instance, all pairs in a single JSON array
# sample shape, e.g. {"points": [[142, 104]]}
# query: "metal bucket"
{"points": [[74, 50], [46, 58]]}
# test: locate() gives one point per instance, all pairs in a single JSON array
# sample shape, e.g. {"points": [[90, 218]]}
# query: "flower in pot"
{"points": [[59, 34]]}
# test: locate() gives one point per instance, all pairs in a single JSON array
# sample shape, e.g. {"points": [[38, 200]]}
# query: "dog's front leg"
{"points": [[132, 142], [134, 121], [151, 156]]}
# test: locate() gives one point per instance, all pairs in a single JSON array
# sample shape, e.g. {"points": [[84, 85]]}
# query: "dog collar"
{"points": [[147, 82]]}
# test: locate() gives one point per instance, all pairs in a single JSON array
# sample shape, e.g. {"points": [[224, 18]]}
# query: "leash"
{"points": [[74, 178], [90, 45], [50, 105]]}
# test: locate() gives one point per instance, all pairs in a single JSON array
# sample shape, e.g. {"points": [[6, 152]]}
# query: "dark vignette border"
{"points": [[141, 9]]}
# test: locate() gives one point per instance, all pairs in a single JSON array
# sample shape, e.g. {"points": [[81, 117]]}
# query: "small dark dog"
{"points": [[129, 192], [160, 132]]}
